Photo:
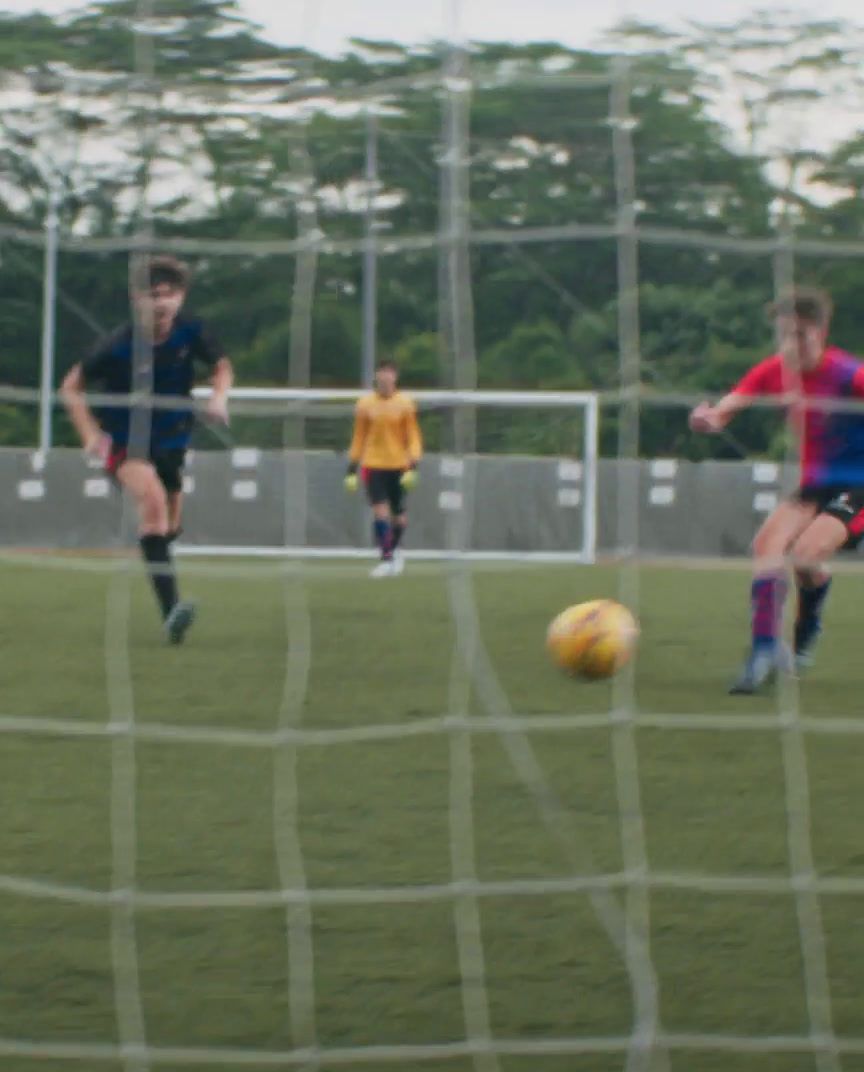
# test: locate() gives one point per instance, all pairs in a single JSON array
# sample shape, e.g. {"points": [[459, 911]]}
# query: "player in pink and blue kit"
{"points": [[827, 512]]}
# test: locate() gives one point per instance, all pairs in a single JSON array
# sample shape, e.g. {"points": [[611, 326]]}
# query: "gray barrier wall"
{"points": [[242, 499]]}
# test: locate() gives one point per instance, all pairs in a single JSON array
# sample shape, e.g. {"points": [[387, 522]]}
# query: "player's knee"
{"points": [[153, 510], [769, 544], [806, 555], [812, 547], [811, 575]]}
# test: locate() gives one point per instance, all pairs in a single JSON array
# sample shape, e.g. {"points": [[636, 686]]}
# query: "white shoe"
{"points": [[398, 563], [383, 569]]}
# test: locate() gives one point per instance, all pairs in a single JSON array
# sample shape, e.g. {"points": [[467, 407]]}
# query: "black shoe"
{"points": [[178, 622]]}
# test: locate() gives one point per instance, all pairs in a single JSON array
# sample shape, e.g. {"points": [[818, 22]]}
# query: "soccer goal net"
{"points": [[366, 825]]}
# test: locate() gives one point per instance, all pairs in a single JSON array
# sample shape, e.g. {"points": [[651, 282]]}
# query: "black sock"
{"points": [[381, 528], [174, 535], [810, 602], [396, 534], [157, 554]]}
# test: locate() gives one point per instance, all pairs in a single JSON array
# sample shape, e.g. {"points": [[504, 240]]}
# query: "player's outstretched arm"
{"points": [[763, 379], [93, 439], [221, 381], [713, 419]]}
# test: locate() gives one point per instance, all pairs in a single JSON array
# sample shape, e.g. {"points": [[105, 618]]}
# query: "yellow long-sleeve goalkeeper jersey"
{"points": [[386, 433]]}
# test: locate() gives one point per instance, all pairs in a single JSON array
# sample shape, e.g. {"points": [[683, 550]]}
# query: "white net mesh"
{"points": [[362, 829]]}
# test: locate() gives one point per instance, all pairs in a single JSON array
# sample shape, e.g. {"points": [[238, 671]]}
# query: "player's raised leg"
{"points": [[141, 481], [768, 593]]}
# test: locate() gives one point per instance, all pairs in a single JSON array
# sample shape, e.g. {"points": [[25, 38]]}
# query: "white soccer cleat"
{"points": [[398, 563], [383, 569]]}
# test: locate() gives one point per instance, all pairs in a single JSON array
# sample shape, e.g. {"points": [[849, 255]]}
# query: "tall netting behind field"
{"points": [[366, 825]]}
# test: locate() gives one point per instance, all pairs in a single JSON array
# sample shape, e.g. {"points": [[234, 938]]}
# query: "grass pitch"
{"points": [[376, 814]]}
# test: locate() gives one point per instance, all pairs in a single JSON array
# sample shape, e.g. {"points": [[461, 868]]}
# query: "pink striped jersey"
{"points": [[832, 444]]}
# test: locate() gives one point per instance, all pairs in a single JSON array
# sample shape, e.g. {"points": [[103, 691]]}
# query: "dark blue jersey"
{"points": [[114, 368]]}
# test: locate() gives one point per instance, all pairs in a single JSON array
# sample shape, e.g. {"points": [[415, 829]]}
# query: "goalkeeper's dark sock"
{"points": [[174, 535], [157, 554], [382, 537], [396, 534]]}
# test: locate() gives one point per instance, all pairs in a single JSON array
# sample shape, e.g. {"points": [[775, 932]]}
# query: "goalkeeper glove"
{"points": [[351, 478], [409, 478]]}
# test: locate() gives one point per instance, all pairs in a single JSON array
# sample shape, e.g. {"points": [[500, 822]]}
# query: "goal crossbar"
{"points": [[587, 400]]}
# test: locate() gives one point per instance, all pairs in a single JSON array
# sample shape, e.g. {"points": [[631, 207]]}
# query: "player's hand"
{"points": [[705, 418], [98, 446], [217, 408], [408, 479], [351, 482]]}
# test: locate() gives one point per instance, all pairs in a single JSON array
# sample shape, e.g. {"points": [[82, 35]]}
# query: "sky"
{"points": [[328, 25], [325, 25]]}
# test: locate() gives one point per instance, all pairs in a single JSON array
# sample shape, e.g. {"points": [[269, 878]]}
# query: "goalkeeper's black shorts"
{"points": [[385, 486]]}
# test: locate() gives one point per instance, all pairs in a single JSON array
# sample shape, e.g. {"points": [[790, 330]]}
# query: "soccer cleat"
{"points": [[398, 563], [761, 668], [178, 621], [806, 636], [383, 569]]}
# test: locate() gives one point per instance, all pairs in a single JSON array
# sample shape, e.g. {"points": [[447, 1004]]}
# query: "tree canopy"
{"points": [[199, 126]]}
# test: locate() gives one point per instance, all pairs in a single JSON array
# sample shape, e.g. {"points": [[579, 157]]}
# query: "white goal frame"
{"points": [[247, 398]]}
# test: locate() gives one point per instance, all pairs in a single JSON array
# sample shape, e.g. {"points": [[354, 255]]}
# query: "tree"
{"points": [[228, 136], [785, 78]]}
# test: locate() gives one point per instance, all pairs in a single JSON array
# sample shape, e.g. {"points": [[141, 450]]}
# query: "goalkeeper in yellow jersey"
{"points": [[386, 447]]}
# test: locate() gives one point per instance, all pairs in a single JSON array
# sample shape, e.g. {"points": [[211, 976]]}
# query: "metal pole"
{"points": [[590, 456], [49, 320], [370, 260]]}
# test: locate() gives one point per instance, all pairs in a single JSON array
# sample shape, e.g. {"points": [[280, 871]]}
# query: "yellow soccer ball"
{"points": [[592, 640]]}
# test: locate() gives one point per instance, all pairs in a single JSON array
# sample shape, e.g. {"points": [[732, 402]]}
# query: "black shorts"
{"points": [[385, 486], [169, 465], [846, 504]]}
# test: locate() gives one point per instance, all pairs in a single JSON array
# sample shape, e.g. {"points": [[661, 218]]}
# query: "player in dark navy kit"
{"points": [[143, 446], [827, 512]]}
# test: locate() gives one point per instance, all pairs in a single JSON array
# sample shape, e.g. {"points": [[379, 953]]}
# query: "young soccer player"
{"points": [[143, 447], [827, 512], [387, 445]]}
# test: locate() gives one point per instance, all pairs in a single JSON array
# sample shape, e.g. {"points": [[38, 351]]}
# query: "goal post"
{"points": [[548, 496]]}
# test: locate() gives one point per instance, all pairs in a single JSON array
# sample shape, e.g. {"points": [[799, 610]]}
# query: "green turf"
{"points": [[376, 814]]}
